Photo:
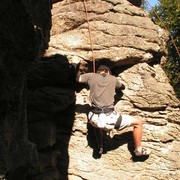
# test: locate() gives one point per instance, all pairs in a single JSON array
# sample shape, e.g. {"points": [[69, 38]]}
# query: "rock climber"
{"points": [[103, 115]]}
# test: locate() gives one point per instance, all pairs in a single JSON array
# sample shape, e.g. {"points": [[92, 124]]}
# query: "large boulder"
{"points": [[119, 31], [125, 38]]}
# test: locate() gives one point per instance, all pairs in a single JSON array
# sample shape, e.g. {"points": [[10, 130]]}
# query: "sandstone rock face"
{"points": [[44, 129], [120, 32], [148, 95], [125, 38]]}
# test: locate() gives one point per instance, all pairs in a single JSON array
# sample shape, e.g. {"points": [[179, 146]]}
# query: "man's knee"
{"points": [[137, 122]]}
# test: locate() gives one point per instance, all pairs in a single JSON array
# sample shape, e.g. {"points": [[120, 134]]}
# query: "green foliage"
{"points": [[169, 13]]}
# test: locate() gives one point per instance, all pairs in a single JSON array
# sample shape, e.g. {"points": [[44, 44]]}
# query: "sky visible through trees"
{"points": [[149, 4], [153, 2]]}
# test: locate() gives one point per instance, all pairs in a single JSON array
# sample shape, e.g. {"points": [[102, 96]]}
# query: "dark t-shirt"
{"points": [[102, 88]]}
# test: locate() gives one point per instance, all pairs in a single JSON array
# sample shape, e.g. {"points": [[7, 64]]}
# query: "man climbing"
{"points": [[103, 115]]}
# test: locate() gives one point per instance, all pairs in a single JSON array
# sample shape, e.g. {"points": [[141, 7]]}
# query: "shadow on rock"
{"points": [[109, 143], [112, 143]]}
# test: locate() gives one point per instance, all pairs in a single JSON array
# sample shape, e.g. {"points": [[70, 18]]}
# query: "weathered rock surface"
{"points": [[46, 135], [148, 95], [126, 39], [120, 32]]}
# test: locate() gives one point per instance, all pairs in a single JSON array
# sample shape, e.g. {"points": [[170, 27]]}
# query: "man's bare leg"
{"points": [[137, 136], [137, 133]]}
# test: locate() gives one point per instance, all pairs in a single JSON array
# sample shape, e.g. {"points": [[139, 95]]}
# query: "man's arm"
{"points": [[119, 85], [83, 78], [78, 77]]}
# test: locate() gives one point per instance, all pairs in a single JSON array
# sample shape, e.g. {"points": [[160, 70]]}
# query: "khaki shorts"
{"points": [[107, 121]]}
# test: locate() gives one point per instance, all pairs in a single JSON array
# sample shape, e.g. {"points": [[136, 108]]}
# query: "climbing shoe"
{"points": [[100, 150], [142, 152]]}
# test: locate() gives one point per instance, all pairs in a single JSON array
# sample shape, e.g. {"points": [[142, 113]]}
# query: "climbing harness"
{"points": [[98, 110]]}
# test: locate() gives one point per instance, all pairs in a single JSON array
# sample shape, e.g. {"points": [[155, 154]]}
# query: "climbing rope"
{"points": [[90, 36], [164, 27], [92, 49]]}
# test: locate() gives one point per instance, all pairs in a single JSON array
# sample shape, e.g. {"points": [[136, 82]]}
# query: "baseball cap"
{"points": [[104, 67]]}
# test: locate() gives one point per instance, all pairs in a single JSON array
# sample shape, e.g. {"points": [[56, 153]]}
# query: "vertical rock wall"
{"points": [[126, 39], [50, 110], [44, 130], [23, 38]]}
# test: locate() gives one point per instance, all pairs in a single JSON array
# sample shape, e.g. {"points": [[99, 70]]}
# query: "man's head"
{"points": [[104, 69]]}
